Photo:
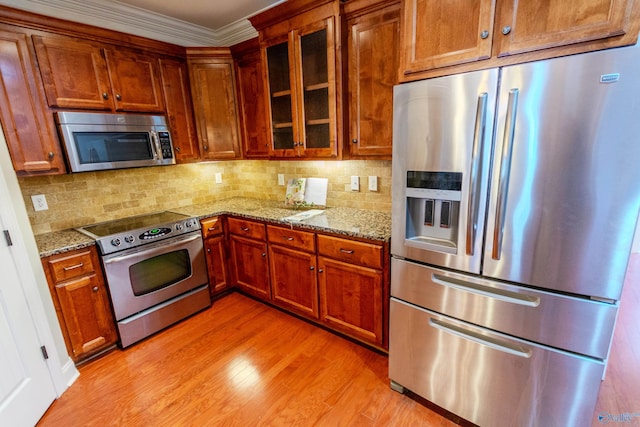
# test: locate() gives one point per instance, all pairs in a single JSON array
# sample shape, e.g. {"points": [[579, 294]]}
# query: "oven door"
{"points": [[142, 277]]}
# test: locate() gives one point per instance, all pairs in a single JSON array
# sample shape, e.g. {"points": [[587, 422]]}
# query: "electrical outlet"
{"points": [[218, 177], [280, 179], [39, 202], [373, 183], [355, 183]]}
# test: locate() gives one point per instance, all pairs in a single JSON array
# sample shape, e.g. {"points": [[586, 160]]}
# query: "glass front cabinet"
{"points": [[301, 79]]}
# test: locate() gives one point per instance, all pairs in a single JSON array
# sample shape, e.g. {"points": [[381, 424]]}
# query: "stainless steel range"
{"points": [[155, 270]]}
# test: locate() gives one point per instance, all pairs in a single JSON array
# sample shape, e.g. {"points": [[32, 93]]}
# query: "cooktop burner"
{"points": [[125, 233]]}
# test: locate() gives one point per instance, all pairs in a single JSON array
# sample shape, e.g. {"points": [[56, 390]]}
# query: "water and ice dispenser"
{"points": [[433, 210]]}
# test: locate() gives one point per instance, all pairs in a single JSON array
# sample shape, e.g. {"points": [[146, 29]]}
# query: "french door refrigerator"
{"points": [[516, 193]]}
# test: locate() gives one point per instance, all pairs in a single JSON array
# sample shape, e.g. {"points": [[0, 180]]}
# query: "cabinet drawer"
{"points": [[211, 227], [367, 254], [246, 228], [70, 266], [297, 239]]}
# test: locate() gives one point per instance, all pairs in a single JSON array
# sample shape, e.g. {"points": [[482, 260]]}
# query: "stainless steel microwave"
{"points": [[100, 141]]}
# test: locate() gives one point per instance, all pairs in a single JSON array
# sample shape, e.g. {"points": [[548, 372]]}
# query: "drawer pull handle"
{"points": [[212, 228], [346, 251], [290, 239], [244, 229], [73, 267]]}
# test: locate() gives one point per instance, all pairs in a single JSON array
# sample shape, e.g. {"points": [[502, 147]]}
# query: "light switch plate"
{"points": [[373, 183], [355, 183], [280, 179], [218, 177], [39, 202]]}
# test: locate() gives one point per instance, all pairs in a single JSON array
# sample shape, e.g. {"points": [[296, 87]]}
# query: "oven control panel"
{"points": [[133, 238]]}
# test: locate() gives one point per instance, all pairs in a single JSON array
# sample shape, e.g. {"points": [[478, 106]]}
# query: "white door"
{"points": [[26, 388]]}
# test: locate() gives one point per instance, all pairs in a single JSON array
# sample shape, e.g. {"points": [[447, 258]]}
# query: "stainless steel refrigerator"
{"points": [[516, 193]]}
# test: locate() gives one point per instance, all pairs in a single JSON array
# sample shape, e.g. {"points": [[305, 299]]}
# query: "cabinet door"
{"points": [[214, 98], [251, 94], [216, 264], [442, 33], [250, 266], [27, 124], [351, 299], [85, 308], [293, 280], [373, 43], [177, 99], [74, 73], [135, 81], [532, 25], [316, 89]]}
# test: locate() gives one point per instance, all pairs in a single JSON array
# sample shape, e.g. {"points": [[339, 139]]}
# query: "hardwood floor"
{"points": [[242, 363]]}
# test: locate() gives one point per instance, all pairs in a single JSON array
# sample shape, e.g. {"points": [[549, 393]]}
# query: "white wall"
{"points": [[62, 369]]}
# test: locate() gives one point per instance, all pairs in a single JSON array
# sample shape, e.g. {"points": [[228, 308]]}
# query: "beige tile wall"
{"points": [[86, 198]]}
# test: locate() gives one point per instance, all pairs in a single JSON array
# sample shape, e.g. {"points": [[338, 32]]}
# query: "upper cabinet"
{"points": [[212, 78], [301, 69], [449, 33], [28, 129], [84, 74]]}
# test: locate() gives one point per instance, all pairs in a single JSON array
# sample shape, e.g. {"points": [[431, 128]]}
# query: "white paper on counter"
{"points": [[316, 191]]}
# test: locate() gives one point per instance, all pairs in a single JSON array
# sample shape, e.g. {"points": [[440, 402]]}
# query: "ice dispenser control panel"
{"points": [[433, 208]]}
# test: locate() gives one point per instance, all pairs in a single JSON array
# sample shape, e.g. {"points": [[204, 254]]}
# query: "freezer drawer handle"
{"points": [[476, 167], [505, 171], [490, 341], [475, 288]]}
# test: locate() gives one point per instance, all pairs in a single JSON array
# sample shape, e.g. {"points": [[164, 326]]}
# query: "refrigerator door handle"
{"points": [[476, 167], [493, 342], [505, 171], [486, 291]]}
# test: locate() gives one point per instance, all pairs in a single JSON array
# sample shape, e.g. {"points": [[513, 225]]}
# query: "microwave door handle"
{"points": [[476, 167], [156, 250], [505, 172], [155, 145]]}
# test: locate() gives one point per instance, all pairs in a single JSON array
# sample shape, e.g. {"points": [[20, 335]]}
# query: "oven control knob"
{"points": [[178, 227], [129, 239], [189, 224], [116, 242]]}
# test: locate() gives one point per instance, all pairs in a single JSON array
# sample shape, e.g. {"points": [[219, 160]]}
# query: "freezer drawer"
{"points": [[575, 324], [486, 377]]}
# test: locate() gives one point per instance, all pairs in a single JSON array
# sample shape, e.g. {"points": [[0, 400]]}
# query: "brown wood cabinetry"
{"points": [[29, 132], [249, 260], [81, 301], [302, 69], [292, 259], [251, 99], [352, 291], [88, 75], [442, 34], [373, 43], [215, 248], [214, 98]]}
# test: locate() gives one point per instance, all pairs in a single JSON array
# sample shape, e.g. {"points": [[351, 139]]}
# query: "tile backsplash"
{"points": [[86, 198]]}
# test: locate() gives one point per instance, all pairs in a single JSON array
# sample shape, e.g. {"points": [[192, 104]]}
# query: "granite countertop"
{"points": [[349, 222]]}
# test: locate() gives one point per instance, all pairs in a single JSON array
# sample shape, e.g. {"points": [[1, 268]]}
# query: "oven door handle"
{"points": [[156, 249]]}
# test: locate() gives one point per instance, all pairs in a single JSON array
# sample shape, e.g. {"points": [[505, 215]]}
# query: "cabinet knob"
{"points": [[118, 97], [205, 147], [264, 254], [94, 289], [506, 30], [50, 155], [312, 268], [177, 149], [105, 95], [208, 250], [484, 34], [320, 270], [354, 141]]}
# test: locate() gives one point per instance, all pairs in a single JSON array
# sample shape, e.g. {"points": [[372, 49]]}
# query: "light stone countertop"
{"points": [[349, 222]]}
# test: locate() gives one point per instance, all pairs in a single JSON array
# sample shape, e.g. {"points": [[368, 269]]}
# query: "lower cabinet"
{"points": [[82, 303], [249, 261], [216, 255]]}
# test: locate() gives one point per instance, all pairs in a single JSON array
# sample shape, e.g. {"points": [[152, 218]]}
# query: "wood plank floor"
{"points": [[243, 363]]}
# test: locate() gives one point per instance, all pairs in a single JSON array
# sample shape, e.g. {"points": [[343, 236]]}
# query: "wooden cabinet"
{"points": [[302, 71], [251, 99], [81, 301], [352, 291], [249, 260], [373, 43], [177, 100], [215, 248], [292, 259], [89, 75], [442, 34], [214, 99], [28, 129]]}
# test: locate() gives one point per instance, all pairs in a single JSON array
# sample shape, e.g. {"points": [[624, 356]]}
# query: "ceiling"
{"points": [[192, 23]]}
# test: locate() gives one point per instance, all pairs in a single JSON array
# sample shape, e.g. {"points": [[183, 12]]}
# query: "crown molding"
{"points": [[118, 16]]}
